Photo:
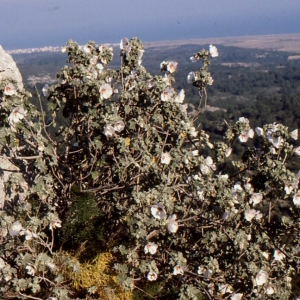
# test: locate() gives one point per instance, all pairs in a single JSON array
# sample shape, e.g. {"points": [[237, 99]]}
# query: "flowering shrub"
{"points": [[175, 224]]}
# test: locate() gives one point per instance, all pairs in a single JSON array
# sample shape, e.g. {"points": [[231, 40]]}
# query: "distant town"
{"points": [[43, 49]]}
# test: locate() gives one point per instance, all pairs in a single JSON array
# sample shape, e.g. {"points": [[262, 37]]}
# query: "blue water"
{"points": [[171, 30]]}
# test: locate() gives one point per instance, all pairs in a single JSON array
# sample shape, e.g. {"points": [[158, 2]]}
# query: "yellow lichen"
{"points": [[96, 276]]}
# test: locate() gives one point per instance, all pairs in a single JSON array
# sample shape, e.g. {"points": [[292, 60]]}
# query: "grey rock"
{"points": [[9, 69]]}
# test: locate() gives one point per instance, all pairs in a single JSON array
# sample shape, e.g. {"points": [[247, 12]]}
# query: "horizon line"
{"points": [[150, 43]]}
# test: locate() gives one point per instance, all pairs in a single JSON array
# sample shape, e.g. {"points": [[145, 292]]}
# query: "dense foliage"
{"points": [[129, 180]]}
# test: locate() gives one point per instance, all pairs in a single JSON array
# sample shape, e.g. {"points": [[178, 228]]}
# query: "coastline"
{"points": [[289, 42]]}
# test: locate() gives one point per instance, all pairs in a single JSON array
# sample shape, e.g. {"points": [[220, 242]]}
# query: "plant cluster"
{"points": [[151, 197]]}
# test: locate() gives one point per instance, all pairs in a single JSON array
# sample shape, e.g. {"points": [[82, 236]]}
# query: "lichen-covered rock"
{"points": [[9, 69]]}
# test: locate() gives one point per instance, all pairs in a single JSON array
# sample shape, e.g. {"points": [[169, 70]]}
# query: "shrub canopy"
{"points": [[116, 164]]}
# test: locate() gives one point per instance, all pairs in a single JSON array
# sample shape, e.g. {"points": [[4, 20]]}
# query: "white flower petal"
{"points": [[30, 270], [105, 91], [158, 211], [45, 90], [238, 296], [256, 198], [178, 270], [261, 277], [294, 134], [124, 43], [109, 130], [259, 131], [228, 152], [119, 126], [17, 114], [213, 51], [172, 66], [296, 199], [151, 248], [297, 151], [15, 228], [173, 224], [190, 77], [9, 89], [152, 276], [278, 255], [166, 158]]}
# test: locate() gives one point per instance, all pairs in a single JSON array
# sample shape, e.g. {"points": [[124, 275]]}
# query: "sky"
{"points": [[40, 23]]}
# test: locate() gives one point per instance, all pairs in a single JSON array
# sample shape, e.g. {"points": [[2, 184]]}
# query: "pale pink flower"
{"points": [[104, 47], [15, 228], [208, 166], [151, 248], [105, 91], [270, 289], [55, 224], [9, 89], [158, 211], [109, 130], [252, 213], [256, 198], [119, 126], [30, 270], [17, 114], [167, 95], [261, 277], [94, 60], [278, 255], [178, 270], [87, 48], [172, 66], [243, 120], [244, 136], [173, 224], [165, 158], [152, 276]]}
